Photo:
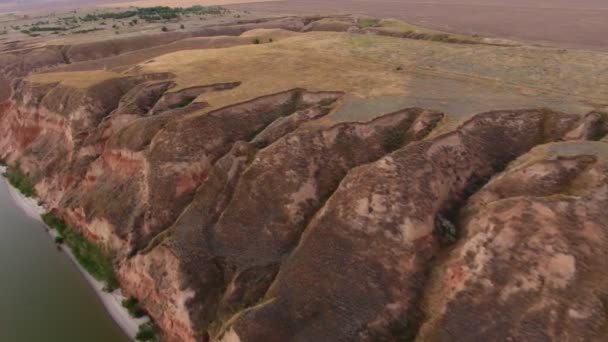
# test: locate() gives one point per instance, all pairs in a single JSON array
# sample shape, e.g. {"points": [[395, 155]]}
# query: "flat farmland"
{"points": [[561, 23]]}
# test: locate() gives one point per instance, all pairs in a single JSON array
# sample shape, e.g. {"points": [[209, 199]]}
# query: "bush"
{"points": [[257, 41], [445, 230], [133, 307], [90, 256], [147, 332], [59, 240], [164, 29], [20, 181]]}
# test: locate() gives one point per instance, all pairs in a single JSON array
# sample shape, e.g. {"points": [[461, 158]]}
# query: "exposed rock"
{"points": [[362, 265], [212, 240], [532, 258]]}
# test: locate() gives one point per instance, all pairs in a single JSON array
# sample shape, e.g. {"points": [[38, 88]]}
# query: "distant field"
{"points": [[38, 5], [381, 74], [175, 3], [563, 23]]}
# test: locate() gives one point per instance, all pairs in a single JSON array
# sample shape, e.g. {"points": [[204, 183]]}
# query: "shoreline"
{"points": [[112, 302]]}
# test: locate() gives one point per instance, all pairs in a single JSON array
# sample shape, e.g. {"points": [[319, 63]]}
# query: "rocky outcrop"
{"points": [[362, 266], [220, 271], [531, 260]]}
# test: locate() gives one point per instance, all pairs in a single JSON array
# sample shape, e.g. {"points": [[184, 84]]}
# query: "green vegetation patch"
{"points": [[133, 307], [20, 180], [87, 31], [157, 13], [47, 28], [368, 22], [148, 332], [90, 255]]}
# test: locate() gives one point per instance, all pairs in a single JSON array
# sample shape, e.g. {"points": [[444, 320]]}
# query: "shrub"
{"points": [[164, 29], [20, 181], [182, 26], [445, 230], [133, 307], [257, 41], [90, 256], [59, 240], [147, 332]]}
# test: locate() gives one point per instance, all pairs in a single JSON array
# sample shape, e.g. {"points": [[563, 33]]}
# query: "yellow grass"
{"points": [[387, 72], [83, 79], [306, 61]]}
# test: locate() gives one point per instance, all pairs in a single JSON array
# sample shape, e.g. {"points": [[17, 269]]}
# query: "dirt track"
{"points": [[571, 24]]}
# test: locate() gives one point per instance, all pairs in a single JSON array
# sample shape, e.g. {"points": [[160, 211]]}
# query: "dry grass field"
{"points": [[381, 74], [561, 23]]}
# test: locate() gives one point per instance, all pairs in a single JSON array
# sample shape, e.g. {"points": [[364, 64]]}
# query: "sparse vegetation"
{"points": [[256, 41], [157, 13], [368, 22], [133, 307], [87, 31], [90, 255], [47, 28], [20, 181], [394, 137]]}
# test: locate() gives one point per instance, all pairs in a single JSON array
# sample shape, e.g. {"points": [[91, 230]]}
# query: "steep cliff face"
{"points": [[383, 227], [269, 197], [530, 262]]}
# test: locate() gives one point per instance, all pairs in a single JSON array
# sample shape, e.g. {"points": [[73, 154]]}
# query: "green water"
{"points": [[43, 297]]}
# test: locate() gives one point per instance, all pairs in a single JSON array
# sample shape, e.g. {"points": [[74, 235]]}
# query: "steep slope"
{"points": [[214, 268], [362, 265], [533, 250]]}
